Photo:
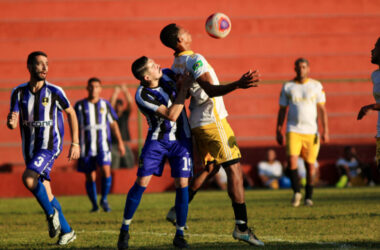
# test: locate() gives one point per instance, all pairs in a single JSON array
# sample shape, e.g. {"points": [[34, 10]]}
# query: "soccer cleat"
{"points": [[247, 236], [53, 223], [296, 200], [172, 217], [309, 203], [94, 209], [106, 207], [180, 242], [122, 243], [66, 238]]}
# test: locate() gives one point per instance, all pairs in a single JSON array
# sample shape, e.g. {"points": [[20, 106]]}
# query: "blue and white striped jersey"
{"points": [[41, 119], [149, 100], [94, 126]]}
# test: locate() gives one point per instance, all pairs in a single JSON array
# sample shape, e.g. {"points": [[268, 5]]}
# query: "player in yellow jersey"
{"points": [[304, 99], [375, 59], [213, 135]]}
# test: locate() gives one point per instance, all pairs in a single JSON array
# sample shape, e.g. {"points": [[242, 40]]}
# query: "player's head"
{"points": [[375, 53], [302, 68], [119, 105], [271, 155], [94, 87], [146, 70], [37, 64], [175, 37], [349, 152]]}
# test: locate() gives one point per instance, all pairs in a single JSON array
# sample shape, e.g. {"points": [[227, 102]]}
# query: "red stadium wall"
{"points": [[86, 38]]}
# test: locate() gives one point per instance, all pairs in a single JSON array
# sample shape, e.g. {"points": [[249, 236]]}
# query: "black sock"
{"points": [[191, 194], [308, 191], [240, 211], [293, 175]]}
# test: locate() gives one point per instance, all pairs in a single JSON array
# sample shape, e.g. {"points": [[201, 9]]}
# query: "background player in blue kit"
{"points": [[96, 119], [38, 106], [169, 137]]}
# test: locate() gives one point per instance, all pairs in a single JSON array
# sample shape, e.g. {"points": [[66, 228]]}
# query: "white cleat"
{"points": [[309, 203], [247, 236], [53, 223], [66, 238], [296, 201]]}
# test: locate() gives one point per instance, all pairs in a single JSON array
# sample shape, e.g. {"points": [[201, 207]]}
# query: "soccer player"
{"points": [[215, 139], [375, 59], [169, 137], [305, 99], [96, 119], [37, 105]]}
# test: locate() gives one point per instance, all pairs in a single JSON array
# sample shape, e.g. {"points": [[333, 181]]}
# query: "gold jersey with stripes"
{"points": [[302, 99], [204, 110], [375, 77]]}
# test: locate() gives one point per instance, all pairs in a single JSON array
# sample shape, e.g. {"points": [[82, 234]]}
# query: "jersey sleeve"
{"points": [[284, 101], [62, 100], [197, 65], [147, 101], [15, 98], [321, 96], [111, 113]]}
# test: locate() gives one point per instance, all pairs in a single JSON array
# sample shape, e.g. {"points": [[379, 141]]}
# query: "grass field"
{"points": [[341, 218]]}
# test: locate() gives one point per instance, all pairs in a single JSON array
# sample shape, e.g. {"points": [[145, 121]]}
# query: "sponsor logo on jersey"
{"points": [[102, 110], [38, 123], [45, 101], [197, 65]]}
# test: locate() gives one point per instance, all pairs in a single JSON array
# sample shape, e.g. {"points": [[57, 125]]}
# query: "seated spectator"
{"points": [[270, 170], [351, 170], [123, 113]]}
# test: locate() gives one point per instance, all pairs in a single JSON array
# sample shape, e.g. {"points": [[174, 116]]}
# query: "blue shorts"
{"points": [[42, 163], [155, 153], [88, 164]]}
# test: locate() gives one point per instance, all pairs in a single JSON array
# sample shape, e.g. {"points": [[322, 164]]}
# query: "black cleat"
{"points": [[180, 242], [122, 243]]}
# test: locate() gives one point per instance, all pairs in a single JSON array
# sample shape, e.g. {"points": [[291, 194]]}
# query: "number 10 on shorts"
{"points": [[187, 164]]}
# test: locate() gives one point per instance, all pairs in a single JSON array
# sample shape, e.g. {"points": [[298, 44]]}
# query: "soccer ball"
{"points": [[218, 25]]}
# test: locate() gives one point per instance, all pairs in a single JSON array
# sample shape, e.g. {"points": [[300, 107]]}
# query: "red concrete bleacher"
{"points": [[86, 38]]}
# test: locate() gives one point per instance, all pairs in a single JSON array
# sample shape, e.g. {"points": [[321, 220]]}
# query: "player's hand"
{"points": [[12, 119], [279, 138], [249, 79], [121, 149], [325, 137], [74, 152], [363, 111], [124, 87], [184, 81]]}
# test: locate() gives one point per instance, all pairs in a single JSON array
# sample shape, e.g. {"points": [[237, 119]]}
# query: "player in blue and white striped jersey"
{"points": [[96, 119], [168, 137], [37, 105]]}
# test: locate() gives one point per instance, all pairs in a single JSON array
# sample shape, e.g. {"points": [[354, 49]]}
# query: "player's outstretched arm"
{"points": [[114, 96], [280, 123], [116, 131], [364, 110], [74, 151], [247, 80], [127, 96], [12, 120], [184, 82]]}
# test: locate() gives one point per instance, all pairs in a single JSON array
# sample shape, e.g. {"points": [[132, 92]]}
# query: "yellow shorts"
{"points": [[216, 142], [377, 151], [306, 145]]}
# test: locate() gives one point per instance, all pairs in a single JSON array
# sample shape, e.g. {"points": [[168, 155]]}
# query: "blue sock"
{"points": [[65, 227], [91, 192], [42, 198], [181, 208], [106, 187], [131, 204]]}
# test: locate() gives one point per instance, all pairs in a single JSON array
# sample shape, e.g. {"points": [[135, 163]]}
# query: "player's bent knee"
{"points": [[30, 179]]}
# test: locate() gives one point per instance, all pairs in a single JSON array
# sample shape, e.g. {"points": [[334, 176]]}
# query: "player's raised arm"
{"points": [[172, 113], [247, 80], [74, 151]]}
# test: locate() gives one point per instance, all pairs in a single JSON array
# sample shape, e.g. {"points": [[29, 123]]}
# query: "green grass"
{"points": [[340, 218]]}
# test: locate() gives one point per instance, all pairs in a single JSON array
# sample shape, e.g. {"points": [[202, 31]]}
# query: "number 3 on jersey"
{"points": [[187, 164], [39, 161]]}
